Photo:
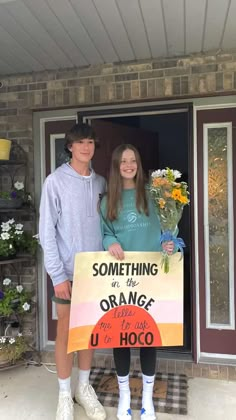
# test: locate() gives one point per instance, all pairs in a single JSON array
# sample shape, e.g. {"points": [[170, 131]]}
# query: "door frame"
{"points": [[203, 105], [39, 118], [157, 109]]}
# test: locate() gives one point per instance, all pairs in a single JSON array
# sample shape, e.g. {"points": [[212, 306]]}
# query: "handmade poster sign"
{"points": [[129, 303]]}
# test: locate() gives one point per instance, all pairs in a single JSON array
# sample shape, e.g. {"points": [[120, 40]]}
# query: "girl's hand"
{"points": [[116, 251], [168, 247]]}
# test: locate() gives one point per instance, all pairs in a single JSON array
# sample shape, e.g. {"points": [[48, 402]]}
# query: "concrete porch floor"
{"points": [[30, 393]]}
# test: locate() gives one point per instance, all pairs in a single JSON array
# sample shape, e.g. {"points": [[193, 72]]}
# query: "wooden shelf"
{"points": [[16, 260], [12, 162], [25, 209]]}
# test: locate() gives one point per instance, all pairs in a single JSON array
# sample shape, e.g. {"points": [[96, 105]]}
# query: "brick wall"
{"points": [[164, 79], [198, 75]]}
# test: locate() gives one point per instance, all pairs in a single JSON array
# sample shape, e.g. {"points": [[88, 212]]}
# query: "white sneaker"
{"points": [[87, 398], [147, 415], [126, 415], [65, 407]]}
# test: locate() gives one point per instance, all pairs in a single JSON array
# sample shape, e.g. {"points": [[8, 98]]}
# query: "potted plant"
{"points": [[15, 302], [14, 240], [16, 197]]}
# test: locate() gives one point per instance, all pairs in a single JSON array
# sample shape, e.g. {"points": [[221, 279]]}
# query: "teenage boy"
{"points": [[69, 223]]}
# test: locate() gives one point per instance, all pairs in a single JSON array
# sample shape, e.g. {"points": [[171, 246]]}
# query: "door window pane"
{"points": [[60, 155], [218, 226]]}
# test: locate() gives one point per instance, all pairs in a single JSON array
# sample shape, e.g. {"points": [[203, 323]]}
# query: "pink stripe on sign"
{"points": [[167, 311], [85, 314]]}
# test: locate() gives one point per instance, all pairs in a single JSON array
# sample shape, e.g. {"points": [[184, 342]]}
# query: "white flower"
{"points": [[11, 221], [18, 232], [159, 173], [10, 246], [3, 340], [19, 185], [29, 198], [26, 306], [6, 282], [19, 288], [5, 236], [5, 227], [12, 340], [177, 174], [19, 226], [19, 334]]}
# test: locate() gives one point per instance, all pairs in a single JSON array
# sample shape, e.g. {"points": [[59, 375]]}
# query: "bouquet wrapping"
{"points": [[169, 197]]}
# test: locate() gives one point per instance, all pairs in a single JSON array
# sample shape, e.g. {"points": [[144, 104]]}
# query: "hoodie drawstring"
{"points": [[89, 196]]}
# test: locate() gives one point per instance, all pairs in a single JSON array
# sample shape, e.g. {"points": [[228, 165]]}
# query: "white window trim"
{"points": [[218, 358]]}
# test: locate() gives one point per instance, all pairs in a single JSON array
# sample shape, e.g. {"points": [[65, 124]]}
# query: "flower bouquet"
{"points": [[169, 197]]}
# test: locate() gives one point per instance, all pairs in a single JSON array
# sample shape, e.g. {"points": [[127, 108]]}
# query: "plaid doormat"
{"points": [[170, 390]]}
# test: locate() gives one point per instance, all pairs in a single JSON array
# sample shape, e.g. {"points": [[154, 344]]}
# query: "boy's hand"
{"points": [[63, 290], [116, 251], [168, 247]]}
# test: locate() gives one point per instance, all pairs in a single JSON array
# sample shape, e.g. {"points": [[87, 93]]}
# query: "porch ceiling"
{"points": [[37, 35]]}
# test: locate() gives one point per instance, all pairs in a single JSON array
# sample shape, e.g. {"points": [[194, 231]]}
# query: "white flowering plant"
{"points": [[12, 348], [16, 192], [13, 239], [15, 300]]}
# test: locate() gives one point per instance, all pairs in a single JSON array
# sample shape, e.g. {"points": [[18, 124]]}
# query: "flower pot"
{"points": [[5, 147], [14, 203]]}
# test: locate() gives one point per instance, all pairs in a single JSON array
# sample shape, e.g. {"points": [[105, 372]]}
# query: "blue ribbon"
{"points": [[168, 236]]}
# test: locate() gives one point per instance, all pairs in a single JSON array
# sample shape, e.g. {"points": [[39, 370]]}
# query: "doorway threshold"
{"points": [[161, 354], [167, 362], [176, 355]]}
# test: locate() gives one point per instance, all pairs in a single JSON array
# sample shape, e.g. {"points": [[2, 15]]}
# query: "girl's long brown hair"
{"points": [[115, 183]]}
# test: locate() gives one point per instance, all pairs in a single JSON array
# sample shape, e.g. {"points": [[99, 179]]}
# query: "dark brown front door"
{"points": [[113, 134], [216, 157]]}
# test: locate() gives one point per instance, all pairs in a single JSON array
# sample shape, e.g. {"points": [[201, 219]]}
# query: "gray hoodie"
{"points": [[69, 220]]}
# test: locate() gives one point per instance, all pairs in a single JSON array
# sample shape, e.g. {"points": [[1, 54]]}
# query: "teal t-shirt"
{"points": [[134, 231]]}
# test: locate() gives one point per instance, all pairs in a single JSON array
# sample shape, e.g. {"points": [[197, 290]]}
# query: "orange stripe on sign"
{"points": [[79, 338], [171, 334]]}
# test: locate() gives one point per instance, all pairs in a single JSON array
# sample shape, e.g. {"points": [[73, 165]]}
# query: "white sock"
{"points": [[64, 385], [83, 376], [124, 396], [147, 397]]}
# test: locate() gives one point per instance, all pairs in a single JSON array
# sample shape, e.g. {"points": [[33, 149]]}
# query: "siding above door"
{"points": [[59, 34]]}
